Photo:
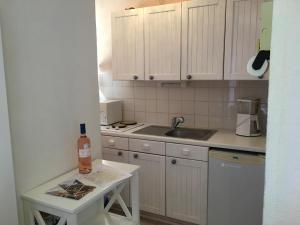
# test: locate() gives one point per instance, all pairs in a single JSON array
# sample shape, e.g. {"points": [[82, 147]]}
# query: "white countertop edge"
{"points": [[226, 139]]}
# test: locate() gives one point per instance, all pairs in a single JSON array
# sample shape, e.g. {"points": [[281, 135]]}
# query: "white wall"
{"points": [[282, 191], [8, 210], [51, 70]]}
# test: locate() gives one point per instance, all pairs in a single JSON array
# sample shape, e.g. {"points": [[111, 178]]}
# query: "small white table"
{"points": [[90, 209]]}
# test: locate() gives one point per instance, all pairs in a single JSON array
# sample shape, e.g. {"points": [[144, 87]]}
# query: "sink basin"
{"points": [[197, 134]]}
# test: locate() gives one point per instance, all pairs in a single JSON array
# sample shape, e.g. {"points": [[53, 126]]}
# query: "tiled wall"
{"points": [[203, 104]]}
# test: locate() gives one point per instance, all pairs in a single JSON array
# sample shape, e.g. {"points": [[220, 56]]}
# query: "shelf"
{"points": [[109, 219]]}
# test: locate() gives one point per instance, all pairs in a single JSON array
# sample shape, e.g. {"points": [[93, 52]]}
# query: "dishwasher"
{"points": [[235, 188]]}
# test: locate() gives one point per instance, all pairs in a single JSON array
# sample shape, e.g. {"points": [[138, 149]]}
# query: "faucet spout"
{"points": [[176, 121]]}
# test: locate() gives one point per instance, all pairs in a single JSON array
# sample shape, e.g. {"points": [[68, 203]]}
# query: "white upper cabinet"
{"points": [[162, 42], [241, 38], [128, 45], [203, 25]]}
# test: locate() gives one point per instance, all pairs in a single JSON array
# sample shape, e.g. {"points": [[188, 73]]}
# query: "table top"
{"points": [[38, 194]]}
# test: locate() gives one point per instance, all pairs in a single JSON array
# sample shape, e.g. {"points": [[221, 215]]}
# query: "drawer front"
{"points": [[187, 151], [115, 155], [153, 147], [114, 142]]}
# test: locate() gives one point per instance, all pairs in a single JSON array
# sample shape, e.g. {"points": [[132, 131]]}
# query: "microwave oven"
{"points": [[110, 112]]}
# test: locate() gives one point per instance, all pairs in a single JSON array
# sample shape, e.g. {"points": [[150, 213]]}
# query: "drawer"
{"points": [[114, 142], [187, 151], [115, 155], [154, 147]]}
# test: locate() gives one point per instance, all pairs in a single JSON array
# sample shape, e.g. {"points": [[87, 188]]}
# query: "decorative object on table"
{"points": [[84, 151], [73, 189]]}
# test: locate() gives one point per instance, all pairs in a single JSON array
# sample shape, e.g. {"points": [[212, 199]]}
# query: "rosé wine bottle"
{"points": [[84, 151]]}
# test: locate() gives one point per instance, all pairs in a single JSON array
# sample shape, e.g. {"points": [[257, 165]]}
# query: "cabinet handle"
{"points": [[185, 152], [151, 77], [135, 156], [189, 77], [173, 161], [111, 142], [135, 77], [146, 146], [120, 153]]}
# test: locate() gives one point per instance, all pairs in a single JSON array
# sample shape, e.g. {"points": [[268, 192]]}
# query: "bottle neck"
{"points": [[82, 135]]}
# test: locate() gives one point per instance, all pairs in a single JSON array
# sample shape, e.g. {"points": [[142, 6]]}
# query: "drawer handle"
{"points": [[185, 152], [135, 156], [146, 146], [111, 142], [135, 77], [173, 161], [120, 153]]}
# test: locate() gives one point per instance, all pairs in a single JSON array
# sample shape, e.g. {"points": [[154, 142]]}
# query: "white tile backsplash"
{"points": [[204, 104]]}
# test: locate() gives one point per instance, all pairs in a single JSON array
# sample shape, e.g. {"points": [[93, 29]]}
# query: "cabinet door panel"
{"points": [[128, 45], [203, 24], [186, 185], [241, 39], [162, 42], [152, 181], [118, 156]]}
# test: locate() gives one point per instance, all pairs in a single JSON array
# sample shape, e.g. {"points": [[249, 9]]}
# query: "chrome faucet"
{"points": [[176, 121]]}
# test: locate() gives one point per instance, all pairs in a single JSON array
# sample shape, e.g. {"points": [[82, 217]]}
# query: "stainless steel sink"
{"points": [[197, 134]]}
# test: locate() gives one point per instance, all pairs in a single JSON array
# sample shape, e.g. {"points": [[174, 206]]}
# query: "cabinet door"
{"points": [[118, 156], [162, 42], [241, 38], [186, 190], [127, 45], [152, 181], [203, 24]]}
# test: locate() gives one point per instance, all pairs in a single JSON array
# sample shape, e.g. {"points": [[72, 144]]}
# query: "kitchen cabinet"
{"points": [[186, 182], [203, 27], [162, 42], [176, 189], [118, 156], [128, 45], [241, 37], [152, 181]]}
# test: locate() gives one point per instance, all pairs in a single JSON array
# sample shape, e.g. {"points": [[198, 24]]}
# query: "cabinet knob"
{"points": [[188, 77], [120, 153], [135, 77], [151, 77], [173, 161], [135, 156]]}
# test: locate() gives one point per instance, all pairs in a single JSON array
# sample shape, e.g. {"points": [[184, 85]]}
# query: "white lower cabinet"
{"points": [[186, 190], [118, 156], [152, 181], [174, 185]]}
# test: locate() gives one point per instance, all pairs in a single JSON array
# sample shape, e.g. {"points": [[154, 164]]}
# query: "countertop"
{"points": [[226, 139]]}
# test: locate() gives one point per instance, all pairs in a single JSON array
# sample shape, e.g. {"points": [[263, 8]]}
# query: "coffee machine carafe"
{"points": [[247, 117]]}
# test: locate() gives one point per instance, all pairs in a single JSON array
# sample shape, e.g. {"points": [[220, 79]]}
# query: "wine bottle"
{"points": [[84, 151]]}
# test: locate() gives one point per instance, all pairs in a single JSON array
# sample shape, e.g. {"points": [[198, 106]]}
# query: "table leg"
{"points": [[72, 219], [135, 202], [29, 217]]}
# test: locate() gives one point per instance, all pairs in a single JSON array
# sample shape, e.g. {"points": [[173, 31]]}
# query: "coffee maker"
{"points": [[247, 117]]}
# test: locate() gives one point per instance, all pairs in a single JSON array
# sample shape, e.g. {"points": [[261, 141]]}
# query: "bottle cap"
{"points": [[82, 128]]}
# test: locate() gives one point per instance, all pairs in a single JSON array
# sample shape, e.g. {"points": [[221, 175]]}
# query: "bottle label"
{"points": [[85, 152]]}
